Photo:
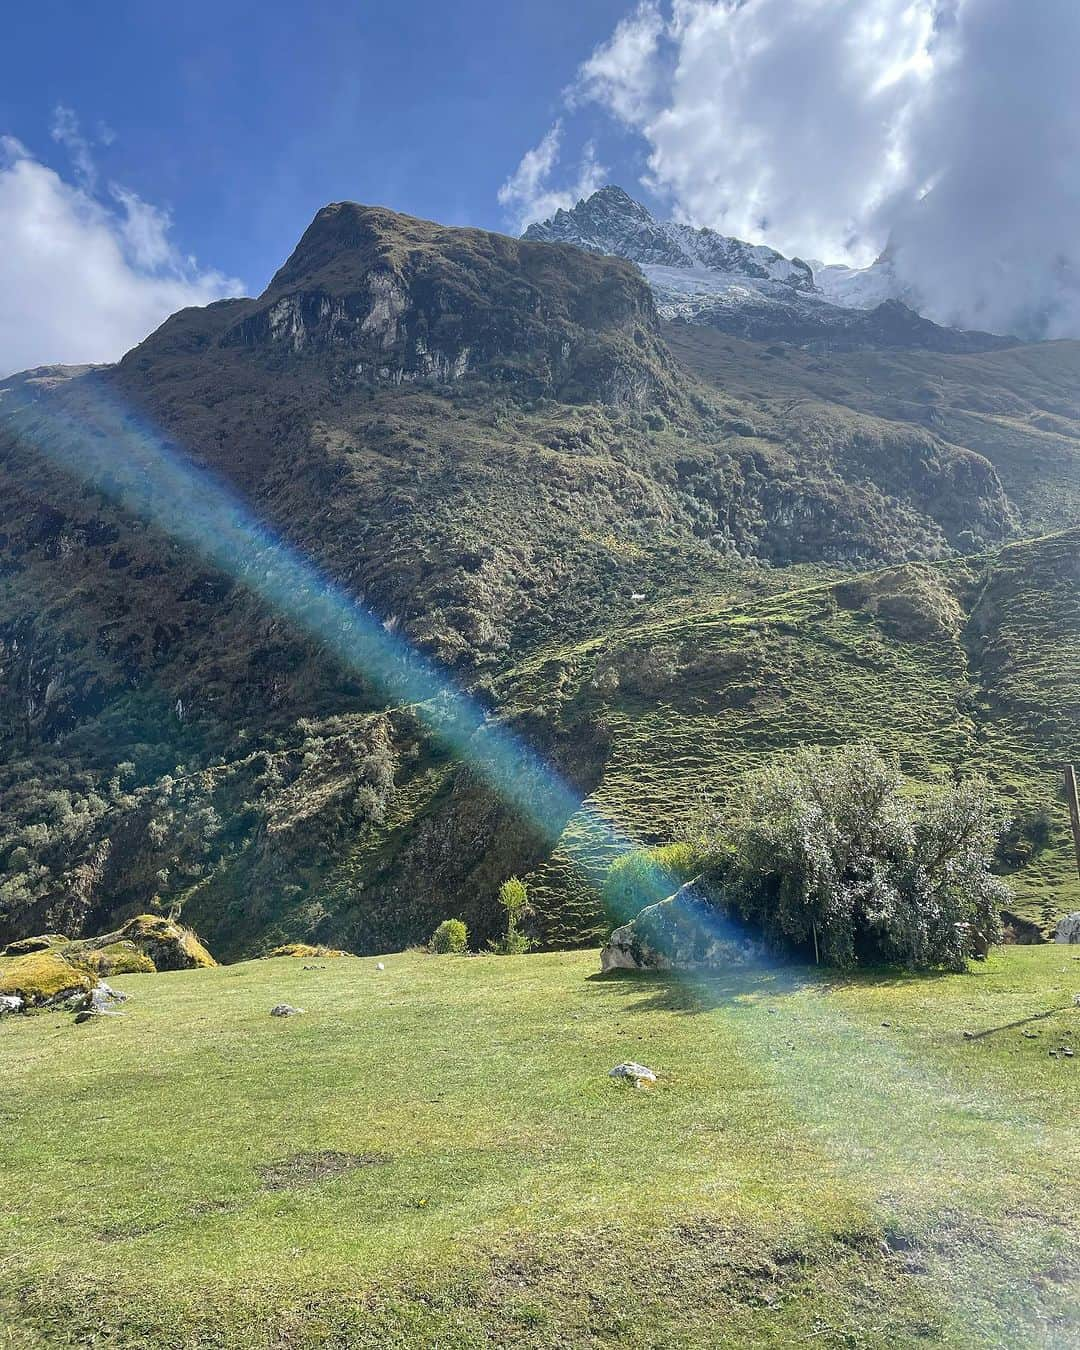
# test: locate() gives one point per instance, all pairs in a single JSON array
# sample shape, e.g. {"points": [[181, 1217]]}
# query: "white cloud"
{"points": [[84, 279], [528, 194], [775, 120], [66, 132], [830, 128], [623, 72]]}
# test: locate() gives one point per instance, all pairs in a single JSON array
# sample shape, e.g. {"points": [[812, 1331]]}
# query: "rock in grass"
{"points": [[637, 1074], [1068, 929], [11, 1003], [687, 931], [284, 1010]]}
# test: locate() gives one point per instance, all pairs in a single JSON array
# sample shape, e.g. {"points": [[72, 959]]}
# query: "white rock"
{"points": [[10, 1003], [1068, 929], [284, 1010], [636, 1073], [379, 965]]}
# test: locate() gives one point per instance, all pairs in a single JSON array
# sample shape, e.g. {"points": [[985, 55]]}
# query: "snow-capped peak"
{"points": [[611, 221]]}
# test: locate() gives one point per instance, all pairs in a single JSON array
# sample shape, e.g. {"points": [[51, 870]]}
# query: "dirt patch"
{"points": [[307, 1169]]}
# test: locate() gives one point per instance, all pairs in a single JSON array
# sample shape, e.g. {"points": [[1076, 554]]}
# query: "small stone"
{"points": [[284, 1010], [638, 1074], [85, 1016], [886, 1024], [10, 1003], [379, 965]]}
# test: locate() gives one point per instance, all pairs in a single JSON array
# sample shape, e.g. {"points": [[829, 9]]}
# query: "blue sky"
{"points": [[242, 119]]}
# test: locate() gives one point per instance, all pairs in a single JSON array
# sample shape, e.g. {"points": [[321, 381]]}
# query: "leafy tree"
{"points": [[514, 899], [829, 853]]}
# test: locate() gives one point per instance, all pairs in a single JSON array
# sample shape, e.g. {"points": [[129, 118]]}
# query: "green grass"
{"points": [[825, 1161]]}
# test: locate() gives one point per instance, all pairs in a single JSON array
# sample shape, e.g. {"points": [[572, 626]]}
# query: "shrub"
{"points": [[645, 876], [514, 899], [830, 854], [451, 938]]}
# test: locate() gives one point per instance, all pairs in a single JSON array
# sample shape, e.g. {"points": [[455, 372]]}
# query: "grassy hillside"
{"points": [[960, 667], [1019, 407], [488, 445], [434, 1154]]}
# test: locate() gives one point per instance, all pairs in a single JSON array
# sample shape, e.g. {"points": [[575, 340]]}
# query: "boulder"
{"points": [[43, 978], [305, 951], [687, 931], [284, 1010], [11, 1003], [42, 943], [1068, 929], [166, 944]]}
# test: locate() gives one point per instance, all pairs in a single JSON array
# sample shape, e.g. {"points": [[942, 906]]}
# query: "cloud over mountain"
{"points": [[948, 130]]}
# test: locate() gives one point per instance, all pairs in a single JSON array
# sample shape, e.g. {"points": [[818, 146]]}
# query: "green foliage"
{"points": [[514, 899], [830, 854], [451, 938], [644, 876]]}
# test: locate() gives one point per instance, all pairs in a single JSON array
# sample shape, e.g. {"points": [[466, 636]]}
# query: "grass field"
{"points": [[434, 1154]]}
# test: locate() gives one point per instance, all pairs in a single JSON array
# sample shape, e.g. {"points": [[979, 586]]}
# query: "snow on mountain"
{"points": [[751, 290], [862, 287], [610, 221]]}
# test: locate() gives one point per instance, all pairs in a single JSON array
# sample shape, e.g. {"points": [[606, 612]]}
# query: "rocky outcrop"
{"points": [[393, 300], [167, 945], [687, 931], [1068, 929]]}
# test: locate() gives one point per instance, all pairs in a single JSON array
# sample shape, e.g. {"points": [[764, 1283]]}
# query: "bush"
{"points": [[830, 854], [514, 899], [643, 877], [451, 938]]}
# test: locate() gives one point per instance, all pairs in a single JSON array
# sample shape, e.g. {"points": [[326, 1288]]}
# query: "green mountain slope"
{"points": [[964, 666], [495, 447]]}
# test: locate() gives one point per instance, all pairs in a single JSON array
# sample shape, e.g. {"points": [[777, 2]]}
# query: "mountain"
{"points": [[611, 222], [499, 453], [753, 291]]}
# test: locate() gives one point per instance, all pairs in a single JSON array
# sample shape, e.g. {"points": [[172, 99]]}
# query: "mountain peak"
{"points": [[377, 297], [611, 221]]}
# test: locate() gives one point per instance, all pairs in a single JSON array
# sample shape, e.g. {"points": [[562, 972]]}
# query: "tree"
{"points": [[514, 899], [831, 852]]}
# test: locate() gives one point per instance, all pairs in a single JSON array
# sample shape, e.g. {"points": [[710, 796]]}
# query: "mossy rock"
{"points": [[40, 977], [43, 943], [166, 944], [119, 958], [306, 950], [169, 945]]}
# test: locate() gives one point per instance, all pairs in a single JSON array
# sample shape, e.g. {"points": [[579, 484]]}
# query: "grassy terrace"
{"points": [[434, 1154]]}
